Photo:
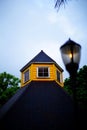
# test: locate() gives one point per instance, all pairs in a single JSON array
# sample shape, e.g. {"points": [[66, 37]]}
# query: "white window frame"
{"points": [[43, 72]]}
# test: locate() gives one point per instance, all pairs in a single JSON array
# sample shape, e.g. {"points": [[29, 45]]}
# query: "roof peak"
{"points": [[41, 57]]}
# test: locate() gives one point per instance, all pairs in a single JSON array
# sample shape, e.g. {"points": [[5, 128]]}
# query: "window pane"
{"points": [[46, 74], [43, 72], [40, 74], [58, 76], [40, 70], [26, 76]]}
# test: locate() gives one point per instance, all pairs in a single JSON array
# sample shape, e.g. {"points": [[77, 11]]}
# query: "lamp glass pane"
{"points": [[70, 53], [76, 54]]}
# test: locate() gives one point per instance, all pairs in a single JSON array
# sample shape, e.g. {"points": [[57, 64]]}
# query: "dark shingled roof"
{"points": [[38, 106], [41, 57]]}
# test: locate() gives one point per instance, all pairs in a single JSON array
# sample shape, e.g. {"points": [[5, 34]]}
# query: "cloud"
{"points": [[53, 18], [66, 26], [63, 22]]}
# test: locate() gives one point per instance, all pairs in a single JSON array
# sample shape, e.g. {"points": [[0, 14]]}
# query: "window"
{"points": [[43, 72], [58, 76], [26, 76]]}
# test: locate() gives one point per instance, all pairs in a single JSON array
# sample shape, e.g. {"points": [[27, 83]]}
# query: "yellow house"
{"points": [[41, 68]]}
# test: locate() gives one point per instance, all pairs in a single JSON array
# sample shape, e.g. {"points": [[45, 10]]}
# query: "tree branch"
{"points": [[58, 3]]}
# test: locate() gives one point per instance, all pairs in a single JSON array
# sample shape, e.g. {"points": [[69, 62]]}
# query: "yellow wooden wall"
{"points": [[33, 74]]}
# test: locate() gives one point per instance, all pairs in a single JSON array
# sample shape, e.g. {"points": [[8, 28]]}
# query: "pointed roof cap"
{"points": [[41, 57]]}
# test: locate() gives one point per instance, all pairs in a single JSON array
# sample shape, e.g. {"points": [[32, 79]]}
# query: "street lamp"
{"points": [[71, 53]]}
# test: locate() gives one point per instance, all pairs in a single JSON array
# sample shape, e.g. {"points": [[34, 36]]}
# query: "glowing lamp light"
{"points": [[70, 53]]}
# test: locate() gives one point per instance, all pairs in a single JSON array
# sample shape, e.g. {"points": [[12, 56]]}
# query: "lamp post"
{"points": [[71, 53]]}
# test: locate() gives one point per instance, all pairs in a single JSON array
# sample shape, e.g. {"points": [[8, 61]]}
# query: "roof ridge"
{"points": [[40, 53], [41, 57]]}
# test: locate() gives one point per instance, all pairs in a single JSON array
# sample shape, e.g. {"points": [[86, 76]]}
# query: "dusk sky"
{"points": [[29, 26]]}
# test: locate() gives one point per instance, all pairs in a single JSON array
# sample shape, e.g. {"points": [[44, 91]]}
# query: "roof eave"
{"points": [[27, 65]]}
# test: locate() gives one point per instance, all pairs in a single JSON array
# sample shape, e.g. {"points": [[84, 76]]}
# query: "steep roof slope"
{"points": [[41, 57], [42, 106]]}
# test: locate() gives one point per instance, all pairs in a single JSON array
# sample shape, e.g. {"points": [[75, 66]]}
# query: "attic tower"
{"points": [[41, 68]]}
